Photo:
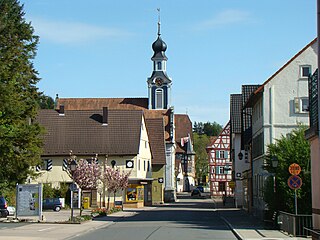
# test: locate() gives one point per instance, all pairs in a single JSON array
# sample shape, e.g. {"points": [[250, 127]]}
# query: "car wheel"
{"points": [[57, 208]]}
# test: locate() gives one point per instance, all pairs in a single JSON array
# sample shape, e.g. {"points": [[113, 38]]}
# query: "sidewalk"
{"points": [[246, 226]]}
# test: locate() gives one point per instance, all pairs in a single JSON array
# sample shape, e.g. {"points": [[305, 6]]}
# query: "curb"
{"points": [[235, 232]]}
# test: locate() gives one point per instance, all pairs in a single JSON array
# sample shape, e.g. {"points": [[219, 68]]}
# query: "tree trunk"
{"points": [[108, 205]]}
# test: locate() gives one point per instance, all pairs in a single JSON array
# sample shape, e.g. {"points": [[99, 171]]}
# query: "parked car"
{"points": [[3, 207], [200, 188], [11, 210], [52, 203], [195, 192]]}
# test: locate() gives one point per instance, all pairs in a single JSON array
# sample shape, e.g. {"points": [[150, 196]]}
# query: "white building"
{"points": [[279, 105]]}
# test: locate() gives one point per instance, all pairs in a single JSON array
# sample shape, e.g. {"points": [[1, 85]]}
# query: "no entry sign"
{"points": [[294, 182]]}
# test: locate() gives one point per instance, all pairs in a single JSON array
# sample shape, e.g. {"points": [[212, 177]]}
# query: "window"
{"points": [[305, 71], [159, 98], [148, 169], [222, 186], [159, 65], [301, 105], [144, 165], [139, 164]]}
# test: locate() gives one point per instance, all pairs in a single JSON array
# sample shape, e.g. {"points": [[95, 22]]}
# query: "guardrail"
{"points": [[295, 225]]}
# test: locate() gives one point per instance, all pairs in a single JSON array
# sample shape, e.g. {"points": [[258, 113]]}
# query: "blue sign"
{"points": [[294, 182]]}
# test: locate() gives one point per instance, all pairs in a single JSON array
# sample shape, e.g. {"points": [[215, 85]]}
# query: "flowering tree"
{"points": [[114, 180], [86, 175]]}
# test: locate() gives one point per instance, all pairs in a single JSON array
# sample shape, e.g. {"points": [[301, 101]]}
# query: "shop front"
{"points": [[138, 194]]}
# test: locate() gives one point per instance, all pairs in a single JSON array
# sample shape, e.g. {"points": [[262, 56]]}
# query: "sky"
{"points": [[102, 48]]}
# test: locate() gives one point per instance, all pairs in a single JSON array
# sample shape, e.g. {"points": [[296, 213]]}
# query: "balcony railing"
{"points": [[295, 225]]}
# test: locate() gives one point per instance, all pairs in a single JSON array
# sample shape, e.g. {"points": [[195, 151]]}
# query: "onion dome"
{"points": [[159, 47]]}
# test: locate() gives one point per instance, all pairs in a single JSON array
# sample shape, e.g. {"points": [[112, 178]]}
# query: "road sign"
{"points": [[294, 169], [232, 184], [294, 182]]}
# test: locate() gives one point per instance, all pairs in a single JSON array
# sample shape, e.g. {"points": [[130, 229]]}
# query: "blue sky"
{"points": [[102, 48]]}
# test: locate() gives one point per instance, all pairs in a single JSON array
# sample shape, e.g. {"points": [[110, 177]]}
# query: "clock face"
{"points": [[129, 164], [158, 82]]}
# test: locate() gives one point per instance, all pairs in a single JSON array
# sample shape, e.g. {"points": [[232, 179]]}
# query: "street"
{"points": [[189, 218], [186, 219]]}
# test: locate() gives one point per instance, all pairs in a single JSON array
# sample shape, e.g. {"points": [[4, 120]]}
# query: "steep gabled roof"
{"points": [[235, 112], [183, 127], [284, 66], [82, 132], [155, 127]]}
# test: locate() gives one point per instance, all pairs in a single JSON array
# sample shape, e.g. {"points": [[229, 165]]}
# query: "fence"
{"points": [[295, 224]]}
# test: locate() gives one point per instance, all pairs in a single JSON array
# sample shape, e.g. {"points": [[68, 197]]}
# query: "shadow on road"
{"points": [[188, 212]]}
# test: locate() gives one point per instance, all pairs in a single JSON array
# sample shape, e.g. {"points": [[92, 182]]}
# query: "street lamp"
{"points": [[72, 169], [274, 161]]}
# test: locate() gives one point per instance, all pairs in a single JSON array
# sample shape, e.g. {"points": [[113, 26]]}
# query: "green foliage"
{"points": [[20, 145], [200, 143], [209, 129], [50, 192], [293, 148], [45, 102], [9, 194]]}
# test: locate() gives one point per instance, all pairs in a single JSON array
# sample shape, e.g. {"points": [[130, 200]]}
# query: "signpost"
{"points": [[295, 182], [29, 200], [294, 169]]}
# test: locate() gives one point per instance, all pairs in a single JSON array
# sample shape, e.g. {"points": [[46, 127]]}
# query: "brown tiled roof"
{"points": [[183, 127], [155, 129], [117, 103], [99, 103], [83, 133]]}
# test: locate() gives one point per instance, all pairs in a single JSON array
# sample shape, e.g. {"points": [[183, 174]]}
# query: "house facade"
{"points": [[185, 172], [279, 105], [220, 165], [115, 138]]}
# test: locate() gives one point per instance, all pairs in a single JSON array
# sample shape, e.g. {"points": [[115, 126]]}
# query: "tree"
{"points": [[45, 102], [86, 175], [293, 148], [200, 143], [209, 129], [20, 144], [114, 180]]}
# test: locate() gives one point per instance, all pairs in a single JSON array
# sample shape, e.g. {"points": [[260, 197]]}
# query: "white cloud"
{"points": [[224, 18], [73, 32]]}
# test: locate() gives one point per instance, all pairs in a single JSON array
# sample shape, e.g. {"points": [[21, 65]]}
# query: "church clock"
{"points": [[158, 82]]}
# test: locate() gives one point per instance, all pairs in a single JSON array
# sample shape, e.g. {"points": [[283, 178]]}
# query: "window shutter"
{"points": [[49, 164], [65, 164], [296, 105]]}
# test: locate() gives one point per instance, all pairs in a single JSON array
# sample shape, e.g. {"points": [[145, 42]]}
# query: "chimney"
{"points": [[61, 110], [105, 116]]}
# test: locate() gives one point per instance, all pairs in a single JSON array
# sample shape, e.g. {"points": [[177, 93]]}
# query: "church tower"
{"points": [[159, 84]]}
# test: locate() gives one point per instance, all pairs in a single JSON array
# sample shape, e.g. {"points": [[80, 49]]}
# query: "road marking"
{"points": [[45, 229]]}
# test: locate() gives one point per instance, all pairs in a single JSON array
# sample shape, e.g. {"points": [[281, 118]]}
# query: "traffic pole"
{"points": [[295, 202]]}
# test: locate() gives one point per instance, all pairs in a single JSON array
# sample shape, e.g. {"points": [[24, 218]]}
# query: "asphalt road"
{"points": [[187, 219]]}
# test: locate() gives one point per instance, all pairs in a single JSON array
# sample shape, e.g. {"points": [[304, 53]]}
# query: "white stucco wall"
{"points": [[278, 116]]}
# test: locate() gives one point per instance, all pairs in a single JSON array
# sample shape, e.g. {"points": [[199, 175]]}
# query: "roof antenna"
{"points": [[159, 23]]}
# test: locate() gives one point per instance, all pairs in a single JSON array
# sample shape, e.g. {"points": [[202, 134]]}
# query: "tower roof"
{"points": [[159, 46]]}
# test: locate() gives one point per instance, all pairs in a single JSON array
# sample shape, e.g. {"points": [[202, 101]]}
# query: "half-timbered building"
{"points": [[220, 165]]}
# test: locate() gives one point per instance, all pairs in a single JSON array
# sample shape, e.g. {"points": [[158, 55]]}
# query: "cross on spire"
{"points": [[159, 23]]}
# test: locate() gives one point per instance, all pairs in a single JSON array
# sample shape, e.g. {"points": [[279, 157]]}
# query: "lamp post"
{"points": [[72, 169], [274, 163]]}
